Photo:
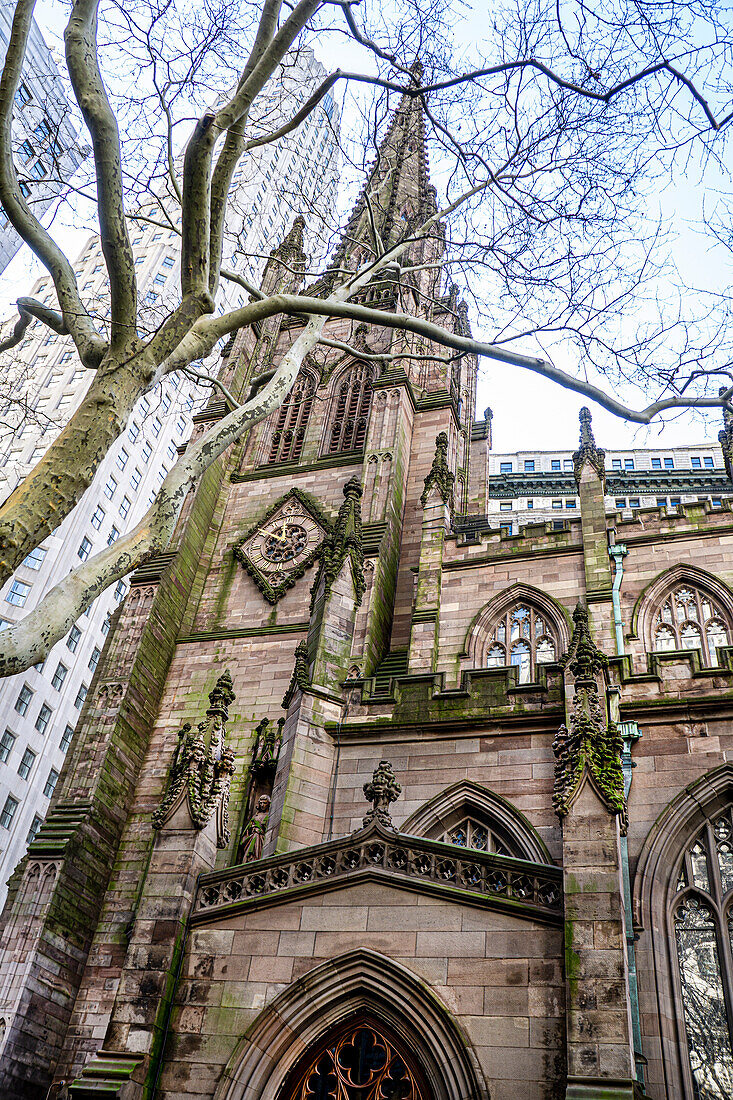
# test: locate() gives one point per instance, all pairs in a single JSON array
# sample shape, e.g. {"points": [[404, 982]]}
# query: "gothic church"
{"points": [[370, 802]]}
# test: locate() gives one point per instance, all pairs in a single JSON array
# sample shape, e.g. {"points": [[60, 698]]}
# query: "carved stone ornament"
{"points": [[381, 792], [345, 541], [301, 674], [588, 743], [588, 451], [202, 767], [278, 549], [266, 749], [440, 476]]}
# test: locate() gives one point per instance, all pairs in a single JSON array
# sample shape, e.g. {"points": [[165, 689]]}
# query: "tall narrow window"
{"points": [[292, 420], [350, 414], [522, 638], [690, 619], [703, 929]]}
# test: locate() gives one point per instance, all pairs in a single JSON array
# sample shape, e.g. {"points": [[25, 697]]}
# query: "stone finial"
{"points": [[381, 792], [440, 476], [584, 659], [587, 743], [202, 767], [725, 437], [345, 541], [588, 451], [301, 674]]}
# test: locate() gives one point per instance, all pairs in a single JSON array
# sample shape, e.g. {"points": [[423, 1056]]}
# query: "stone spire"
{"points": [[588, 451], [345, 542], [398, 191], [725, 438]]}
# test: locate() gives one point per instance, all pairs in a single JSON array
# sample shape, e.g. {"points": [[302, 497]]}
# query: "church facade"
{"points": [[371, 799]]}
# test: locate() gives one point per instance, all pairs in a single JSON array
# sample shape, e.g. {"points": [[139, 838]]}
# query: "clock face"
{"points": [[281, 548]]}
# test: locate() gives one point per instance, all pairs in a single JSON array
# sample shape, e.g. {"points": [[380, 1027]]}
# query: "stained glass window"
{"points": [[360, 1063], [689, 619], [704, 886], [351, 410], [471, 832], [290, 425], [531, 641]]}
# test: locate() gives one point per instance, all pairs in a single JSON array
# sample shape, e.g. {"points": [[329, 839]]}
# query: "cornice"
{"points": [[551, 483]]}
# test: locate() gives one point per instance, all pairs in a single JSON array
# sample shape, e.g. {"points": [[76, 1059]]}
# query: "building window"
{"points": [[24, 699], [690, 619], [358, 1054], [505, 467], [113, 535], [157, 425], [125, 506], [135, 479], [557, 504], [23, 94], [628, 463], [35, 558], [708, 462], [94, 659], [567, 463], [59, 676], [570, 504], [6, 744], [97, 517], [717, 502], [53, 778], [350, 410], [33, 831], [529, 465], [44, 717], [81, 696], [6, 817], [146, 452], [122, 458], [620, 503], [291, 422], [695, 463], [530, 505], [473, 832], [18, 593], [111, 487], [661, 502], [73, 639], [105, 627], [505, 506], [522, 638], [85, 547], [616, 463], [704, 885], [634, 502], [506, 528], [555, 464], [669, 464], [66, 738], [26, 763], [133, 431]]}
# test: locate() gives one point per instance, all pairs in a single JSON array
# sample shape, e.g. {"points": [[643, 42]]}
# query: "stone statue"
{"points": [[253, 837]]}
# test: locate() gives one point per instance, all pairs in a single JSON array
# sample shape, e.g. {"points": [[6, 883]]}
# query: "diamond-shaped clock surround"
{"points": [[273, 592]]}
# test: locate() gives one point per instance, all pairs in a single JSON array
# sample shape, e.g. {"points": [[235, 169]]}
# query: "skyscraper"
{"points": [[39, 709], [46, 146]]}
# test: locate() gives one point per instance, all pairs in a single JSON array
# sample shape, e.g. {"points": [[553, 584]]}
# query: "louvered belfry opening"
{"points": [[286, 444], [351, 412]]}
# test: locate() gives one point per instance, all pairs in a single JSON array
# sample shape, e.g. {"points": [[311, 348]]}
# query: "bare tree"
{"points": [[546, 148]]}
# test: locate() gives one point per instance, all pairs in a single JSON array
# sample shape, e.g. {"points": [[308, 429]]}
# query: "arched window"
{"points": [[702, 919], [290, 425], [350, 415], [473, 831], [361, 1061], [690, 619], [524, 638]]}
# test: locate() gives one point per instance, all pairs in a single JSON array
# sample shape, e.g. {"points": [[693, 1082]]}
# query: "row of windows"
{"points": [[11, 804], [8, 739], [688, 618], [348, 421], [531, 465], [26, 693], [19, 591]]}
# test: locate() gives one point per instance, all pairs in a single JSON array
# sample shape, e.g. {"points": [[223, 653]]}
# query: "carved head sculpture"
{"points": [[263, 804]]}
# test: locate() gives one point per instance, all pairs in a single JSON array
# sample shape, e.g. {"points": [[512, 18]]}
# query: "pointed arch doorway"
{"points": [[360, 1060]]}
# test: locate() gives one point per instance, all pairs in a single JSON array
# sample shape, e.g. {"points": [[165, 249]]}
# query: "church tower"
{"points": [[352, 808]]}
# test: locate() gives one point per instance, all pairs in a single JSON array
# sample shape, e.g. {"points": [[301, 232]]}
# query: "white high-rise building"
{"points": [[39, 708], [47, 151]]}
